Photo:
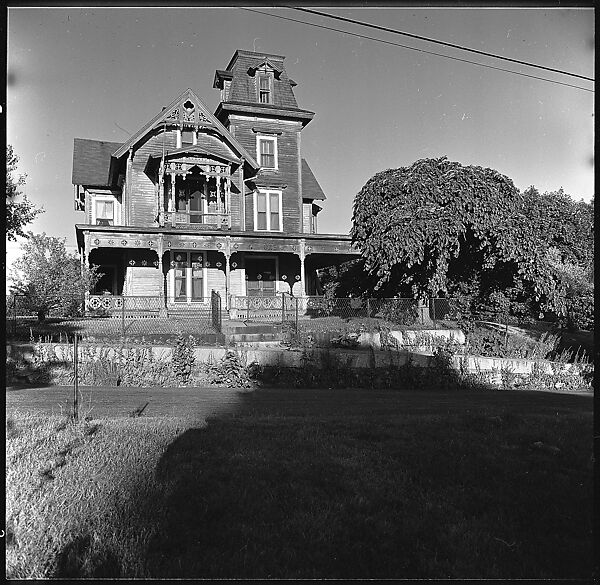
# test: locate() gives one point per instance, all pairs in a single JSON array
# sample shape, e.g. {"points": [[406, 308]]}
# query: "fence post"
{"points": [[15, 315], [75, 378], [282, 307], [505, 330], [432, 304], [123, 316], [297, 312], [368, 307]]}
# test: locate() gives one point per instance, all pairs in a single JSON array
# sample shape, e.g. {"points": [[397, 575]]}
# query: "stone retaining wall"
{"points": [[494, 368]]}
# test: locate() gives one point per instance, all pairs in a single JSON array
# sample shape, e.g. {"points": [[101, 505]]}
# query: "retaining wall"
{"points": [[494, 368]]}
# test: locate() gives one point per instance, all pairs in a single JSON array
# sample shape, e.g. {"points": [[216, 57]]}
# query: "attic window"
{"points": [[189, 107], [265, 88], [187, 137]]}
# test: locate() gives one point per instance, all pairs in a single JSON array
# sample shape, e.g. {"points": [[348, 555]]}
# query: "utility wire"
{"points": [[415, 49], [399, 32]]}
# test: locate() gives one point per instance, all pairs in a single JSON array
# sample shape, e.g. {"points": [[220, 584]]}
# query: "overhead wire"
{"points": [[362, 36], [437, 41]]}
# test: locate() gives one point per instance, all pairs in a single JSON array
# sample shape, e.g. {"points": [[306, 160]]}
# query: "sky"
{"points": [[102, 73]]}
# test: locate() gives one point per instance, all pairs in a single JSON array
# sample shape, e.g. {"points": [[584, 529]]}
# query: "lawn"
{"points": [[475, 494]]}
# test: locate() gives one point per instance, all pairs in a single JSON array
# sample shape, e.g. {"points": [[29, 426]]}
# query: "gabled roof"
{"points": [[266, 62], [91, 162], [310, 186], [217, 153], [207, 119]]}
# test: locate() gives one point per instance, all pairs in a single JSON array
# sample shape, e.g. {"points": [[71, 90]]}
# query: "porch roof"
{"points": [[171, 238]]}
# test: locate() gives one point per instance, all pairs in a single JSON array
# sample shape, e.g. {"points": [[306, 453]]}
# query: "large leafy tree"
{"points": [[440, 227], [50, 278], [18, 212]]}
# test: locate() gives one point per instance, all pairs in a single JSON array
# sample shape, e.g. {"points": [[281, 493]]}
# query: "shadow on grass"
{"points": [[461, 496]]}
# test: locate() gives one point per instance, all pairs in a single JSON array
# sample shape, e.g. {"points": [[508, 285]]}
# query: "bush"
{"points": [[396, 311], [580, 312]]}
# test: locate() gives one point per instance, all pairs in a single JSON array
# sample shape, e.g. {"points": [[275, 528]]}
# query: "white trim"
{"points": [[262, 257], [244, 118], [267, 192], [261, 136], [188, 279]]}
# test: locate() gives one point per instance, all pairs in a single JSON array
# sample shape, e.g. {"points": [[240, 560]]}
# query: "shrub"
{"points": [[231, 371], [493, 343], [183, 358]]}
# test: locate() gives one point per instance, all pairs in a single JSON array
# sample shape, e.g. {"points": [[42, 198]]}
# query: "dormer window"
{"points": [[265, 88]]}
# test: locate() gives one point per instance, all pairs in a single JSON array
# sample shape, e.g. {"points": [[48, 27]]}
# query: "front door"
{"points": [[260, 277]]}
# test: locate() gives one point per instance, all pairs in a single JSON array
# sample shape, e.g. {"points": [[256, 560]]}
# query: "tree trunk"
{"points": [[41, 315]]}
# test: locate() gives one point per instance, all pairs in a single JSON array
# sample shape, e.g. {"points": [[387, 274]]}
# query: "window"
{"points": [[187, 137], [187, 277], [265, 91], [105, 212], [267, 152], [267, 211]]}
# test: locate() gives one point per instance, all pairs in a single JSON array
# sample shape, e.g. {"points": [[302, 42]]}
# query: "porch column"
{"points": [[227, 254], [162, 312], [172, 175], [228, 200], [302, 256], [85, 263]]}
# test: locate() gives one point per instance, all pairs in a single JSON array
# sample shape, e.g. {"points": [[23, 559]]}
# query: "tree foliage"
{"points": [[50, 278], [439, 227], [18, 213]]}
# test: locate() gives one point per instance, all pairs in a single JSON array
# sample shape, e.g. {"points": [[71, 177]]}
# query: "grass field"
{"points": [[493, 494]]}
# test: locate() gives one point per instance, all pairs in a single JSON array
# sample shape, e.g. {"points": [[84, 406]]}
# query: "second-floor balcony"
{"points": [[198, 220]]}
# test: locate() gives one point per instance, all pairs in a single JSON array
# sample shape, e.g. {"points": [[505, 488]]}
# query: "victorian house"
{"points": [[195, 201]]}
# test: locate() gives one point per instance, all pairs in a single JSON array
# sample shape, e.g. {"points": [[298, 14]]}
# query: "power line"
{"points": [[415, 49], [462, 48]]}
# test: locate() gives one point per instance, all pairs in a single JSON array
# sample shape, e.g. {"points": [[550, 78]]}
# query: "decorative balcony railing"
{"points": [[199, 220]]}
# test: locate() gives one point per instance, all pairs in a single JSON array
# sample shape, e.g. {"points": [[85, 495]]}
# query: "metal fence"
{"points": [[111, 316]]}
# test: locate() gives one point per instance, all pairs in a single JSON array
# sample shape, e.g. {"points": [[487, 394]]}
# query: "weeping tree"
{"points": [[438, 227]]}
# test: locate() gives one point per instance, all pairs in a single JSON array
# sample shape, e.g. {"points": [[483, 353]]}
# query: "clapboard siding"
{"points": [[143, 206], [143, 193], [285, 176], [143, 281]]}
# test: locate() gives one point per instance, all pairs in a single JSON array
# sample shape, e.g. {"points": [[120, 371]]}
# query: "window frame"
{"points": [[267, 193], [273, 139], [269, 77], [104, 199], [188, 278]]}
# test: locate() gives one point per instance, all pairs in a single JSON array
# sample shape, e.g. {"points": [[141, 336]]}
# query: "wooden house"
{"points": [[196, 201]]}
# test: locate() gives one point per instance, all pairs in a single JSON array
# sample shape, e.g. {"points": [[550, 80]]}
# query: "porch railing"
{"points": [[117, 306]]}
